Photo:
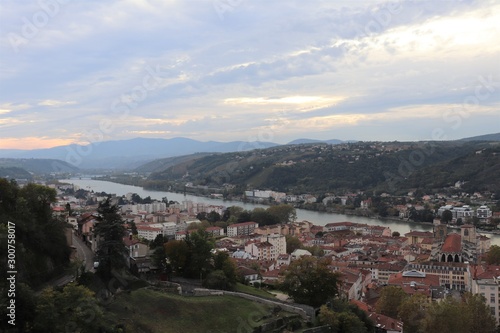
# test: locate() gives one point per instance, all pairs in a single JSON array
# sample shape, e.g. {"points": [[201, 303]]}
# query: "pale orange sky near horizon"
{"points": [[32, 143]]}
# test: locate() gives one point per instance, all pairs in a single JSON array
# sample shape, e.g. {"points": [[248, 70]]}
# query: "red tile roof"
{"points": [[452, 244]]}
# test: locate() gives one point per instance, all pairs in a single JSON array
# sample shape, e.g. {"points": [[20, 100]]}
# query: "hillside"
{"points": [[486, 137], [479, 170], [165, 163], [320, 167], [129, 154], [37, 165], [145, 310], [14, 173]]}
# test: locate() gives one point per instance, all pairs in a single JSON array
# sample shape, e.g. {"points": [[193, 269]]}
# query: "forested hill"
{"points": [[38, 165], [40, 241], [312, 168]]}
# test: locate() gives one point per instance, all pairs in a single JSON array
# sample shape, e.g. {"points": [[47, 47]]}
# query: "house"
{"points": [[244, 228], [135, 247], [284, 260], [148, 232], [262, 250], [298, 253], [250, 275], [215, 231]]}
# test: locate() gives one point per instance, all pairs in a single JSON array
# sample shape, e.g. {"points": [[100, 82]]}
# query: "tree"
{"points": [[446, 316], [133, 228], [263, 217], [213, 217], [292, 243], [390, 300], [411, 311], [223, 262], [345, 321], [177, 253], [200, 247], [481, 319], [396, 234], [493, 255], [109, 232], [73, 309], [285, 213], [446, 216], [217, 280], [309, 281]]}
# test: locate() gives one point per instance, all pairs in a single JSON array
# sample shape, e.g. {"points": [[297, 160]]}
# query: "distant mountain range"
{"points": [[25, 167], [133, 153], [487, 137]]}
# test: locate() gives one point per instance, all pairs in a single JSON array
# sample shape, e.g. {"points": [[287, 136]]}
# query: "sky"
{"points": [[75, 71]]}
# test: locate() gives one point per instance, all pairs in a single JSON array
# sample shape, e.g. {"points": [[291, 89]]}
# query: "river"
{"points": [[318, 218]]}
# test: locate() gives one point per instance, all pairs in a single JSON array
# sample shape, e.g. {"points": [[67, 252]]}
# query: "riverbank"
{"points": [[329, 210]]}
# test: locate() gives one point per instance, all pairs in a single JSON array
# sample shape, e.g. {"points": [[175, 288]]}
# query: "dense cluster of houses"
{"points": [[368, 258]]}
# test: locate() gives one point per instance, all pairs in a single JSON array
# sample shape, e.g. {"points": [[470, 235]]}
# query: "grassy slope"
{"points": [[145, 310]]}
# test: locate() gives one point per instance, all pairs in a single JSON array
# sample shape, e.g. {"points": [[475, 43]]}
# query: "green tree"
{"points": [[213, 217], [109, 232], [309, 281], [481, 319], [446, 316], [200, 247], [493, 255], [411, 311], [177, 253], [345, 321], [217, 280], [292, 243], [224, 263], [73, 309], [285, 213], [263, 217], [391, 298], [133, 228], [446, 216]]}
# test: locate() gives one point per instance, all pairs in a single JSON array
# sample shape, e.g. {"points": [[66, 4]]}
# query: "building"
{"points": [[486, 281], [277, 240], [261, 250], [148, 232], [239, 229], [483, 213], [452, 275], [215, 231]]}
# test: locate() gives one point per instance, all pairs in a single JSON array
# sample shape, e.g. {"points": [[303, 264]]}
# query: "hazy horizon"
{"points": [[81, 72]]}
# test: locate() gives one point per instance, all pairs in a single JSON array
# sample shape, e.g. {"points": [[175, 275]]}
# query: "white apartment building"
{"points": [[277, 240], [239, 229], [483, 213], [148, 232], [487, 283]]}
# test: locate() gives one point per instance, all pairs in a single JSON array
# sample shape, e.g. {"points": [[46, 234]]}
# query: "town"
{"points": [[450, 260]]}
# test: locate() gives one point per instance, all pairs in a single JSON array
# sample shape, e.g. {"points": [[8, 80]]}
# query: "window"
{"points": [[492, 309], [492, 298]]}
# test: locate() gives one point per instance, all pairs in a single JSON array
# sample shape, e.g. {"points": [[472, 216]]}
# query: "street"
{"points": [[84, 253]]}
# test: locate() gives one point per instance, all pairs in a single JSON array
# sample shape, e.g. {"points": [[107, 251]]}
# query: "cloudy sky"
{"points": [[83, 71]]}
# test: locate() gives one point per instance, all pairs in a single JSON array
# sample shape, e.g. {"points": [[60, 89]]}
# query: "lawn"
{"points": [[253, 291], [150, 311]]}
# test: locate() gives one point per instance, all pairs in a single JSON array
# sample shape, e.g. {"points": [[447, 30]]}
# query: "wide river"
{"points": [[319, 218]]}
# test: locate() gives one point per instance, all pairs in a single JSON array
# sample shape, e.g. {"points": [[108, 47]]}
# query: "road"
{"points": [[84, 253]]}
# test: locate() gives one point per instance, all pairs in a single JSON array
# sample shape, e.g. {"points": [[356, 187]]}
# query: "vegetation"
{"points": [[149, 311], [453, 315], [345, 318], [317, 168], [41, 248], [109, 231], [493, 255], [309, 281]]}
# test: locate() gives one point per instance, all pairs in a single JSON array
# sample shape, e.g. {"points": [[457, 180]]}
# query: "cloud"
{"points": [[289, 68]]}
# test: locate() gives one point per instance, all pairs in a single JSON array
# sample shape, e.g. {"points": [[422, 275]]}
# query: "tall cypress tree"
{"points": [[109, 232]]}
